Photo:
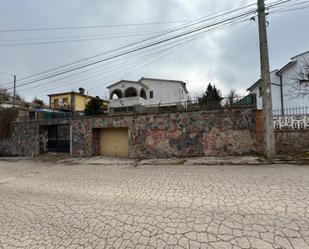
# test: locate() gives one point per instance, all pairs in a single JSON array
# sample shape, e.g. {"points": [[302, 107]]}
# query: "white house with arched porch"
{"points": [[147, 92]]}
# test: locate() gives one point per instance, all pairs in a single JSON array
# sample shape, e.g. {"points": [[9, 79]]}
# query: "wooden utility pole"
{"points": [[269, 137], [14, 96]]}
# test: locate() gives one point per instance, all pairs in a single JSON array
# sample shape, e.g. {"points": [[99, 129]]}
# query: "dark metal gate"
{"points": [[59, 138]]}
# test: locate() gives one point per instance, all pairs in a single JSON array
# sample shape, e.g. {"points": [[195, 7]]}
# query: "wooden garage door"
{"points": [[114, 142]]}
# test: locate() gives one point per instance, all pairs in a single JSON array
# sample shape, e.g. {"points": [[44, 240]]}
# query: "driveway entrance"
{"points": [[114, 142]]}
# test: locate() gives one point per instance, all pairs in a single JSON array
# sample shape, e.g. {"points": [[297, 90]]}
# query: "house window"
{"points": [[151, 94], [260, 91]]}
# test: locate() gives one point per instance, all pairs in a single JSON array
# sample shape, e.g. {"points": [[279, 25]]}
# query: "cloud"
{"points": [[227, 57]]}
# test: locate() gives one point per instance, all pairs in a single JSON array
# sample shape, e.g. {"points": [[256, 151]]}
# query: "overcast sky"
{"points": [[228, 57]]}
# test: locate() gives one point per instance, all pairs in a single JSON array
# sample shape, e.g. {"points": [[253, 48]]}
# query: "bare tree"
{"points": [[232, 97], [299, 81]]}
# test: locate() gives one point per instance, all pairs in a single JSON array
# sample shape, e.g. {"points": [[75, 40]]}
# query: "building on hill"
{"points": [[289, 85], [72, 101], [130, 95]]}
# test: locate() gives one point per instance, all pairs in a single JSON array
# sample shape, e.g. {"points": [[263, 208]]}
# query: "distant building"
{"points": [[287, 85], [25, 110], [71, 101], [146, 92]]}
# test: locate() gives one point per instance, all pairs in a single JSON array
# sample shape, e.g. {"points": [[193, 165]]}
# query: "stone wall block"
{"points": [[180, 134]]}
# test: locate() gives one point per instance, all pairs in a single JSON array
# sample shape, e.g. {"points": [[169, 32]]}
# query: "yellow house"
{"points": [[72, 101]]}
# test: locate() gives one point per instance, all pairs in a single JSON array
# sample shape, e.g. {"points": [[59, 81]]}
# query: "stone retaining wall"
{"points": [[180, 134], [292, 141], [288, 141], [5, 147]]}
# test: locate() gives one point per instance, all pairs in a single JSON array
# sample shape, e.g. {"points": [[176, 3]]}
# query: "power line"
{"points": [[238, 37], [136, 49], [140, 48], [6, 74], [164, 55], [177, 44], [290, 7], [147, 32], [193, 23], [110, 67], [89, 27], [120, 67], [69, 41]]}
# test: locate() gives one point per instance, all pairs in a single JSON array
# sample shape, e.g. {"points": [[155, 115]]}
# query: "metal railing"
{"points": [[50, 114], [291, 122], [184, 106], [292, 111]]}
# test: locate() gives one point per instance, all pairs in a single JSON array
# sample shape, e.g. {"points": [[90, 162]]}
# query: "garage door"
{"points": [[114, 142]]}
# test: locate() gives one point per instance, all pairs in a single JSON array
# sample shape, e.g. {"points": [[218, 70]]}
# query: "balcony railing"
{"points": [[291, 122], [292, 111], [126, 102], [61, 106]]}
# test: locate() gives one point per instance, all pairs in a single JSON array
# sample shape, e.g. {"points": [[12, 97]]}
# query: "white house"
{"points": [[147, 92], [288, 85]]}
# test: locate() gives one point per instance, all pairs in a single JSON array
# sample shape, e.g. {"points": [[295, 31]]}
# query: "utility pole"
{"points": [[14, 96], [269, 137]]}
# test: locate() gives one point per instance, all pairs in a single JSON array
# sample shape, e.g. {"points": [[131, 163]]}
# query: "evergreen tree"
{"points": [[94, 107], [38, 102], [211, 98]]}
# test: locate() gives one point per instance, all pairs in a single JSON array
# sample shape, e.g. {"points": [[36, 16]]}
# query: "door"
{"points": [[114, 142], [58, 138]]}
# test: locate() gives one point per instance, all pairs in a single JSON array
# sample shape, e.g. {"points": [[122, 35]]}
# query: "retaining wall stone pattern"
{"points": [[179, 134], [5, 147], [292, 141]]}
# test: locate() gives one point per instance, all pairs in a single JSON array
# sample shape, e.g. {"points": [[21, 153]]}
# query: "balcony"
{"points": [[126, 102], [61, 106]]}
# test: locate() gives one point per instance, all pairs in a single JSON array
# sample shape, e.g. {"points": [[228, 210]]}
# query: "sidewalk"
{"points": [[102, 160], [237, 160]]}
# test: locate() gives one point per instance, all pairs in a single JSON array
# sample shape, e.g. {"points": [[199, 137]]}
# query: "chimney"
{"points": [[81, 90]]}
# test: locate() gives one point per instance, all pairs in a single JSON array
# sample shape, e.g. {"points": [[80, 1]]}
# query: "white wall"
{"points": [[164, 92], [275, 92], [290, 98]]}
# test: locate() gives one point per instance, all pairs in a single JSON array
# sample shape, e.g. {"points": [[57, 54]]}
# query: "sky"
{"points": [[227, 57]]}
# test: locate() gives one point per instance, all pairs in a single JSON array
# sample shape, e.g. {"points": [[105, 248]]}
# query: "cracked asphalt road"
{"points": [[87, 206]]}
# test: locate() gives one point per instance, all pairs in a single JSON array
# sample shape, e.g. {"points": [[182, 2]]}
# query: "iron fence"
{"points": [[195, 105], [185, 106], [292, 111]]}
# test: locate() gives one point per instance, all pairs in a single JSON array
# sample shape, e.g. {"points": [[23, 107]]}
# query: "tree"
{"points": [[4, 95], [299, 81], [39, 103], [232, 97], [94, 107], [18, 97], [211, 98]]}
